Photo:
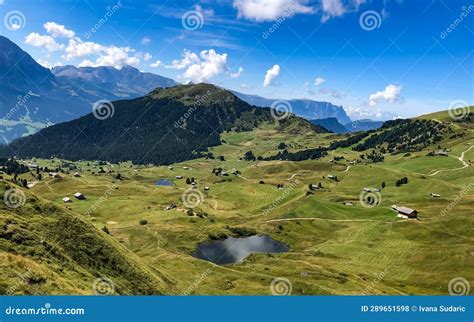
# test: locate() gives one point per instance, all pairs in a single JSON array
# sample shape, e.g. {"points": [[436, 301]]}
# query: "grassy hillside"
{"points": [[45, 249], [338, 245]]}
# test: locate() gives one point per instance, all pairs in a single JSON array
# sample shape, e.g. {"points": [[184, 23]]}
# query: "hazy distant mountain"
{"points": [[161, 135], [331, 124], [32, 97], [308, 109], [111, 83], [363, 125]]}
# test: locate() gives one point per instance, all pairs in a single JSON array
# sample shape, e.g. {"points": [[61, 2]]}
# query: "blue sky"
{"points": [[376, 58]]}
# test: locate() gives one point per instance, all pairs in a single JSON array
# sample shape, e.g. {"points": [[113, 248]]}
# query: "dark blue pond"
{"points": [[164, 182], [234, 250]]}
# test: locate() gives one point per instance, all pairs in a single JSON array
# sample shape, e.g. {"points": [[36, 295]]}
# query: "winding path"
{"points": [[461, 158]]}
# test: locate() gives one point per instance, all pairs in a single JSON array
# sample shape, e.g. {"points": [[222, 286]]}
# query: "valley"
{"points": [[333, 212]]}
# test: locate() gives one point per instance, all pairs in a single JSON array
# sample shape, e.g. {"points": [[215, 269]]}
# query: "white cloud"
{"points": [[104, 55], [269, 10], [15, 26], [147, 57], [237, 74], [271, 74], [47, 42], [2, 2], [187, 59], [158, 63], [209, 64], [46, 64], [58, 31], [318, 81], [391, 94], [145, 41], [117, 57], [77, 49], [337, 8]]}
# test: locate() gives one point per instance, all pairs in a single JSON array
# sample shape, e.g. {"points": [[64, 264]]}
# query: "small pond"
{"points": [[234, 250], [164, 182]]}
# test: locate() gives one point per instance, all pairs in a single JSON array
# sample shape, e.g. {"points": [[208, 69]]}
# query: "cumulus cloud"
{"points": [[237, 74], [145, 41], [209, 64], [390, 94], [58, 31], [271, 74], [158, 63], [77, 49], [269, 10], [104, 55], [46, 42], [147, 57], [318, 81], [187, 59]]}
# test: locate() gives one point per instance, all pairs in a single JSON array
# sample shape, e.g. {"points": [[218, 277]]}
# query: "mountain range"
{"points": [[332, 124], [33, 97], [302, 107], [166, 126]]}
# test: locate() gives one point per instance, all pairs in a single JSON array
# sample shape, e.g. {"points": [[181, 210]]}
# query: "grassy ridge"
{"points": [[49, 250]]}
